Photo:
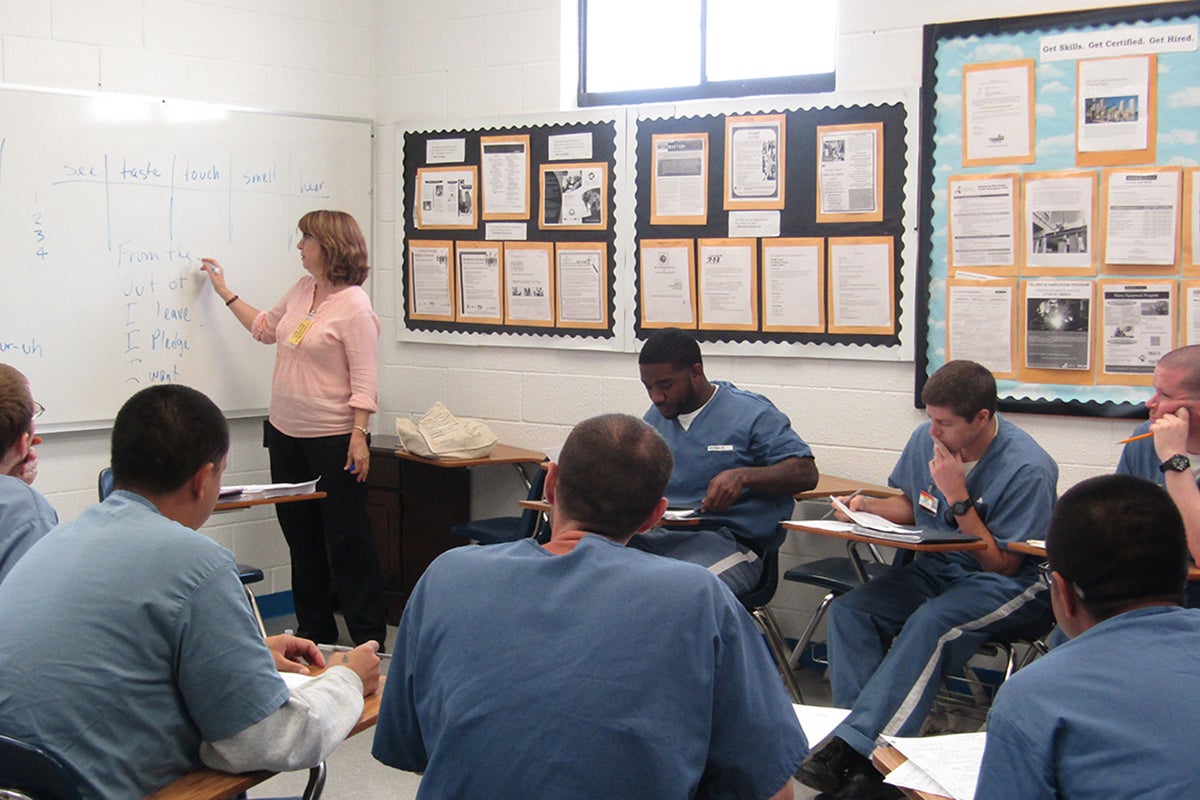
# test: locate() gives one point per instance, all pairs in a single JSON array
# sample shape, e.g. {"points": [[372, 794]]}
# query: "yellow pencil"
{"points": [[1145, 435]]}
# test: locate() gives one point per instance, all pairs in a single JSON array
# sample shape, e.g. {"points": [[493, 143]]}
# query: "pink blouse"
{"points": [[325, 372]]}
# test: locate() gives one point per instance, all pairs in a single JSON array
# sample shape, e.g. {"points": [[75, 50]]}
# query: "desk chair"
{"points": [[28, 771], [495, 530], [755, 601], [837, 575], [247, 574]]}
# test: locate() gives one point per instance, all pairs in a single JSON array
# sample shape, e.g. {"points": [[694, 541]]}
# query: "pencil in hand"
{"points": [[1145, 435]]}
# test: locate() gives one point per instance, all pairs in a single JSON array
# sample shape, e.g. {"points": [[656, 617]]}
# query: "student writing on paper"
{"points": [[323, 393], [585, 668], [128, 648], [25, 516], [1115, 711], [736, 458], [965, 468], [1171, 458]]}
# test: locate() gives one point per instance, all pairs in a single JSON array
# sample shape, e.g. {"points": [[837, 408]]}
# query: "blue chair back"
{"points": [[32, 771], [104, 484]]}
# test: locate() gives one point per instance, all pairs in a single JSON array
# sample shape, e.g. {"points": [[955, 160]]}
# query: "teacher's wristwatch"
{"points": [[1176, 463]]}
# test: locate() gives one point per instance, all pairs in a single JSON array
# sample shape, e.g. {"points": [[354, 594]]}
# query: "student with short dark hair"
{"points": [[1115, 711], [737, 459], [584, 668], [130, 651]]}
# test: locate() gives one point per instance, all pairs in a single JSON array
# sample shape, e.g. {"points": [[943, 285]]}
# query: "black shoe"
{"points": [[826, 769], [864, 782]]}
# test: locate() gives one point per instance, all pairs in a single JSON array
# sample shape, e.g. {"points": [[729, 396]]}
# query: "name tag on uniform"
{"points": [[928, 502], [720, 448], [298, 334]]}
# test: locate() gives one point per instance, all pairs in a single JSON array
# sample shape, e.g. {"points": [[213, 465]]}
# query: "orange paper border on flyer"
{"points": [[846, 241], [819, 244], [1120, 158], [873, 216], [451, 270], [664, 244], [499, 248], [602, 249], [548, 249], [1028, 64], [750, 245]]}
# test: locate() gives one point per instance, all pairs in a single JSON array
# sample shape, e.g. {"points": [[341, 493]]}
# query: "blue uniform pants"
{"points": [[892, 640], [717, 550]]}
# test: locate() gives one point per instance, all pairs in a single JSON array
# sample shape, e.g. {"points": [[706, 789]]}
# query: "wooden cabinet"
{"points": [[412, 507]]}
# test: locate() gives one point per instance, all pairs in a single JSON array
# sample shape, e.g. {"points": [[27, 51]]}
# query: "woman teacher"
{"points": [[323, 393]]}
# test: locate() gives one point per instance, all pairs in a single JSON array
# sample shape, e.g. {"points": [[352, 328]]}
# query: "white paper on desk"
{"points": [[272, 489], [872, 521], [818, 721], [909, 776], [675, 514], [834, 525], [951, 760]]}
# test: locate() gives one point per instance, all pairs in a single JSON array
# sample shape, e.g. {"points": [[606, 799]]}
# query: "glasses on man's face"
{"points": [[1045, 569], [38, 409]]}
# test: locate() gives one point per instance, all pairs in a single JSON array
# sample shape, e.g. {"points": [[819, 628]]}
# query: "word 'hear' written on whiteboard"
{"points": [[107, 204]]}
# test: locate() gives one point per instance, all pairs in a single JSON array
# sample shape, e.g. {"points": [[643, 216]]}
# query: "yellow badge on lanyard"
{"points": [[298, 334]]}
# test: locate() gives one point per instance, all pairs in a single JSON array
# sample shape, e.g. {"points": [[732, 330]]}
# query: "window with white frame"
{"points": [[634, 51]]}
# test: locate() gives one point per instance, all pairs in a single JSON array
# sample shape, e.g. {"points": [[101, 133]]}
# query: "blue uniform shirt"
{"points": [[736, 429]]}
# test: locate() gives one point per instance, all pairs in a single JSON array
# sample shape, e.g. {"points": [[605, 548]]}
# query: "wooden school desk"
{"points": [[887, 758], [856, 536], [238, 502], [1040, 550], [211, 784], [412, 502], [836, 486]]}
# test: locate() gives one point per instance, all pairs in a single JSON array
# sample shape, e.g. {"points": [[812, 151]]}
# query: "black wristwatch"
{"points": [[1177, 463], [962, 506]]}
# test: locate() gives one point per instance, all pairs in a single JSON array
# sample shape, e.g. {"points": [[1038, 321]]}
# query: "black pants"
{"points": [[341, 520]]}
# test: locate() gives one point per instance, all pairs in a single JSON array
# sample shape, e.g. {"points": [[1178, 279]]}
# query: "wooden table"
{"points": [[887, 758], [834, 485], [231, 505], [916, 547], [211, 784], [1040, 550], [413, 502]]}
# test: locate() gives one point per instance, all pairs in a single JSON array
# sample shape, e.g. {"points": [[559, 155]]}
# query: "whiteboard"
{"points": [[107, 204]]}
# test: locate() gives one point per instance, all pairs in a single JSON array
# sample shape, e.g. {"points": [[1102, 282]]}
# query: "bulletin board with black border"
{"points": [[1060, 221], [690, 216], [502, 236]]}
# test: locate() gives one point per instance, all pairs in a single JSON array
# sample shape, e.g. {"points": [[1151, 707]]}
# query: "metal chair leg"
{"points": [[262, 629], [316, 782], [766, 623], [813, 621]]}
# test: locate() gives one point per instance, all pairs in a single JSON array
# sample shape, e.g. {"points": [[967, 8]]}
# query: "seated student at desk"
{"points": [[1115, 711], [1171, 457], [966, 468], [584, 668], [737, 459], [25, 516], [127, 646]]}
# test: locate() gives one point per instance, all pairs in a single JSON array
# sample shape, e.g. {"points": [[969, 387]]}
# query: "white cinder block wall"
{"points": [[397, 60]]}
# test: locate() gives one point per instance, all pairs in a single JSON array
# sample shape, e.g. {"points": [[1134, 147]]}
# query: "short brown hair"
{"points": [[1186, 359], [612, 472], [16, 406], [342, 244], [962, 386]]}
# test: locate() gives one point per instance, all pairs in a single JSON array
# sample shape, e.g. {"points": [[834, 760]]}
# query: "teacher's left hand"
{"points": [[358, 457]]}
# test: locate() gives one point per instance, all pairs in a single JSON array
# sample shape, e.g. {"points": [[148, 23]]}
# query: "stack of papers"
{"points": [[947, 765], [875, 525], [266, 490]]}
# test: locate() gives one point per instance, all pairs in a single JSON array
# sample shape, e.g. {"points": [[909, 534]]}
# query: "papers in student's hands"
{"points": [[948, 765], [272, 489], [676, 514]]}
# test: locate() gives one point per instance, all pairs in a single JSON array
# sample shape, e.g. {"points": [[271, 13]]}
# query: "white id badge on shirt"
{"points": [[928, 502]]}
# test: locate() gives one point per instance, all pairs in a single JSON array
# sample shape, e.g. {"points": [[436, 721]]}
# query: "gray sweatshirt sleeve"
{"points": [[305, 729]]}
